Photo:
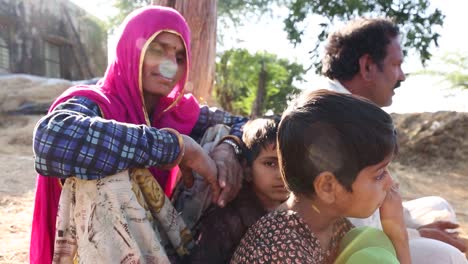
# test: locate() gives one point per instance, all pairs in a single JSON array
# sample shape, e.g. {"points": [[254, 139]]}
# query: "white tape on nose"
{"points": [[168, 68]]}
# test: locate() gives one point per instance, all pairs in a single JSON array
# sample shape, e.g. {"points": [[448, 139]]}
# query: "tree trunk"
{"points": [[261, 90], [201, 15]]}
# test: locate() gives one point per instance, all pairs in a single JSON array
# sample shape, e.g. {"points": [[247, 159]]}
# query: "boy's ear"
{"points": [[325, 185], [366, 67]]}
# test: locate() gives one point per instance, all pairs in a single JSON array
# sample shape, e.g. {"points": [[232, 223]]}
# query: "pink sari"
{"points": [[119, 96]]}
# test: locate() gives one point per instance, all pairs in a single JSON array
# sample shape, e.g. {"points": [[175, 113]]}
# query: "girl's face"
{"points": [[266, 178], [369, 191], [163, 65]]}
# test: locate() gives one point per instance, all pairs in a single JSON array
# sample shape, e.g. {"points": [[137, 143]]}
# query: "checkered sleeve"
{"points": [[74, 140], [213, 116]]}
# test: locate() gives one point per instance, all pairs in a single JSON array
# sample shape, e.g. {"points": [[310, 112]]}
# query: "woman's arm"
{"points": [[74, 140], [212, 116], [229, 169]]}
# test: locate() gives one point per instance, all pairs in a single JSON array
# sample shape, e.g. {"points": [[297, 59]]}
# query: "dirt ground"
{"points": [[17, 184]]}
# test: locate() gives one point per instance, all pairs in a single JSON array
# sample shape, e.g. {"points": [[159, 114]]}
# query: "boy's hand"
{"points": [[391, 213], [196, 159], [229, 172], [393, 223]]}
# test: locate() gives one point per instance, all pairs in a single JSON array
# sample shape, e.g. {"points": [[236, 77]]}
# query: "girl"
{"points": [[220, 230]]}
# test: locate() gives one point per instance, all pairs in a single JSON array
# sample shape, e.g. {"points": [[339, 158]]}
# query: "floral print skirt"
{"points": [[116, 220]]}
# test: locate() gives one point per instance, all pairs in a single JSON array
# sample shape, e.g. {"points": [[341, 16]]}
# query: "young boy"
{"points": [[334, 150], [220, 230]]}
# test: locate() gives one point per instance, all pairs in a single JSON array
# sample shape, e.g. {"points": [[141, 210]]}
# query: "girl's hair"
{"points": [[258, 134]]}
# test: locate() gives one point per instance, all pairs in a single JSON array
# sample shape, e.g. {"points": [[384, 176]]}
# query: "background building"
{"points": [[53, 38]]}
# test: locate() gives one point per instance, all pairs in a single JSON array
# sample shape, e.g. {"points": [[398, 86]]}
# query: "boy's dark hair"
{"points": [[359, 37], [258, 134], [329, 131]]}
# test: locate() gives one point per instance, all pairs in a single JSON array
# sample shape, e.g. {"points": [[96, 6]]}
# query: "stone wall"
{"points": [[53, 38]]}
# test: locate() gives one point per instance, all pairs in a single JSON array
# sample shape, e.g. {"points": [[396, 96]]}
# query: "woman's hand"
{"points": [[229, 171], [196, 159]]}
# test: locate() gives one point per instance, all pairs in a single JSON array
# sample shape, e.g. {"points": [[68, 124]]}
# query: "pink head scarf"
{"points": [[120, 97]]}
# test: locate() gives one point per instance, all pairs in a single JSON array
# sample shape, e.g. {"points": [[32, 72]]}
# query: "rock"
{"points": [[31, 108], [17, 90], [32, 95]]}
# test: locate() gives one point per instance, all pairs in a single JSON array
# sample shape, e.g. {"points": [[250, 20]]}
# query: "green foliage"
{"points": [[234, 13], [413, 16], [124, 8], [97, 28], [235, 9], [417, 21], [455, 69], [237, 74]]}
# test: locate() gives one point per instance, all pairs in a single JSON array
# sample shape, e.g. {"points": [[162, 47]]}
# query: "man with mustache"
{"points": [[364, 58]]}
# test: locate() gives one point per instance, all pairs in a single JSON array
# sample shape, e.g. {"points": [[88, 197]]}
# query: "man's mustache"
{"points": [[397, 84]]}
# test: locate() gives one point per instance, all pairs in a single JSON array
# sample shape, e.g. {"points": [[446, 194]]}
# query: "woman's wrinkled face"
{"points": [[163, 65]]}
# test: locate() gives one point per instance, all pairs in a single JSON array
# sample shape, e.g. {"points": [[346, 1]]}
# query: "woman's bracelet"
{"points": [[235, 143]]}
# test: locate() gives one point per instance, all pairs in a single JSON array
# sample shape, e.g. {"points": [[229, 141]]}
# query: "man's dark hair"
{"points": [[357, 38], [258, 134], [328, 131]]}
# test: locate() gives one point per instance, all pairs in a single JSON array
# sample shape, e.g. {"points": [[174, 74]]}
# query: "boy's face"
{"points": [[266, 178], [369, 191]]}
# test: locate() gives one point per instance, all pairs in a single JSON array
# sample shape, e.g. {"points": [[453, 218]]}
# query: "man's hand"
{"points": [[196, 159], [438, 230], [229, 172]]}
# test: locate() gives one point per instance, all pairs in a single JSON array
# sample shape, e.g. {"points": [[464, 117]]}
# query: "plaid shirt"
{"points": [[74, 140]]}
